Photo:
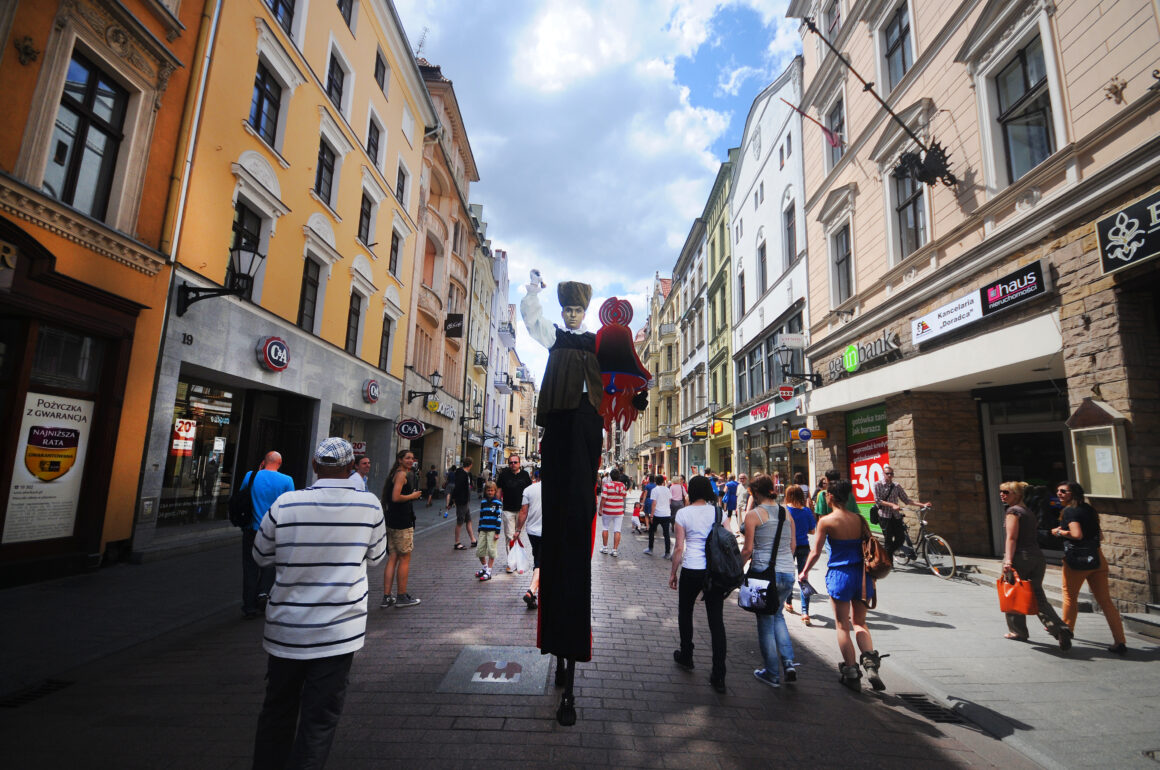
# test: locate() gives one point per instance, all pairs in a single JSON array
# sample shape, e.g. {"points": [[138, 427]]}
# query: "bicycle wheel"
{"points": [[939, 556]]}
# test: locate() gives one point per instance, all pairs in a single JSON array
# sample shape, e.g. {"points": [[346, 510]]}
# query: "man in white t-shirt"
{"points": [[610, 508], [662, 515], [530, 520]]}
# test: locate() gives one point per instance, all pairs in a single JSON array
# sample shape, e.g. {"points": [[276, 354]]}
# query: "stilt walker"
{"points": [[576, 400]]}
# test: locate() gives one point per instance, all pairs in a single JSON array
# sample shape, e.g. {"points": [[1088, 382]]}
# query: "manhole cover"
{"points": [[929, 709], [498, 671]]}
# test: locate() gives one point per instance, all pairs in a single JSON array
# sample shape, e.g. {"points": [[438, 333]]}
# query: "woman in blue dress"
{"points": [[843, 528]]}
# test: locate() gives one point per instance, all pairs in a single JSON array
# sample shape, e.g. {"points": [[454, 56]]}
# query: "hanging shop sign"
{"points": [[696, 434], [1026, 283], [411, 429], [1131, 235], [370, 391], [785, 391], [805, 434], [273, 354], [867, 450], [794, 340], [717, 428], [453, 325], [856, 355], [49, 467]]}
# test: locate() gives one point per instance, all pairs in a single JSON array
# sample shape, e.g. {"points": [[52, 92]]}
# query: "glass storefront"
{"points": [[200, 457]]}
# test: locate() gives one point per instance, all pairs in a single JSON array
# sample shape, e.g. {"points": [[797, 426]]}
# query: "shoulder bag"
{"points": [[758, 591], [876, 563], [1084, 554]]}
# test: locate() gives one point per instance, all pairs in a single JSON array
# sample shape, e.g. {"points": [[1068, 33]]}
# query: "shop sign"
{"points": [[359, 447], [1023, 284], [434, 406], [184, 431], [857, 354], [273, 353], [453, 325], [953, 315], [696, 434], [805, 434], [49, 467], [371, 391], [785, 391], [411, 429], [717, 428], [867, 450], [1131, 235], [795, 340], [760, 412]]}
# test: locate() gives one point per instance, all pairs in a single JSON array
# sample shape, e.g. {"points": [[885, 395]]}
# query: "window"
{"points": [[762, 269], [373, 134], [910, 214], [897, 39], [246, 234], [842, 271], [761, 191], [385, 346], [381, 71], [346, 8], [781, 157], [755, 200], [788, 145], [393, 263], [742, 385], [455, 236], [740, 295], [366, 212], [265, 104], [283, 11], [836, 125], [832, 19], [324, 173], [353, 317], [1025, 110], [308, 298], [756, 372], [401, 185], [335, 80], [86, 139], [789, 219]]}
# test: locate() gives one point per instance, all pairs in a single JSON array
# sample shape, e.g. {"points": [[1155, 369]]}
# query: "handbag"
{"points": [[1017, 597], [874, 518], [757, 587], [1082, 554]]}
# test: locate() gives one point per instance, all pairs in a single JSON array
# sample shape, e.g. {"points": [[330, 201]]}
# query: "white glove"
{"points": [[536, 283]]}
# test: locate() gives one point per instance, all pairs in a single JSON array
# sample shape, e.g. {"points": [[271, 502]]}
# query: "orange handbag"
{"points": [[1017, 597]]}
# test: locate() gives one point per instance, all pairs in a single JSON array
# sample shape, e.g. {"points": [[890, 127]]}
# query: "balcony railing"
{"points": [[507, 333], [668, 330], [524, 374], [503, 382], [480, 360], [667, 383]]}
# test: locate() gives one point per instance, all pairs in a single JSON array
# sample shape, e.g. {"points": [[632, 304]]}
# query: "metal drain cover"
{"points": [[929, 709]]}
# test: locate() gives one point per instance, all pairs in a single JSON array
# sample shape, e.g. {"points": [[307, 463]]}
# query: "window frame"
{"points": [[1032, 93], [347, 88], [327, 166], [382, 73], [916, 202], [309, 281], [904, 45], [836, 258], [386, 343], [288, 23], [789, 233], [354, 312], [834, 155], [347, 9], [262, 91]]}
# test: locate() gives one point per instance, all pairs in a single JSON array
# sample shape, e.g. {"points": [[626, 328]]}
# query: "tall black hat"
{"points": [[574, 293]]}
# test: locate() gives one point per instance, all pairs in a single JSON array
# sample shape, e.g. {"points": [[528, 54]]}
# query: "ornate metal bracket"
{"points": [[25, 50], [932, 164]]}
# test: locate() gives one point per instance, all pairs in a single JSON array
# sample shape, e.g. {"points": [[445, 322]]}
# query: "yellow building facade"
{"points": [[304, 174]]}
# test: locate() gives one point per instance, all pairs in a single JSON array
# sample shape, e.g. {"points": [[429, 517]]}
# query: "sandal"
{"points": [[805, 620], [1016, 637], [530, 599], [474, 544], [460, 547]]}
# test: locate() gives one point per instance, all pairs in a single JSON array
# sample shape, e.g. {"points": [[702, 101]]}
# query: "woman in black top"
{"points": [[1079, 525], [399, 495]]}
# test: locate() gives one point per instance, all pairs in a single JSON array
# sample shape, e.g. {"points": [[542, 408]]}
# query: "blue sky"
{"points": [[599, 125]]}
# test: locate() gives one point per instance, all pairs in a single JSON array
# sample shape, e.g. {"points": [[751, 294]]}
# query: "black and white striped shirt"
{"points": [[320, 541]]}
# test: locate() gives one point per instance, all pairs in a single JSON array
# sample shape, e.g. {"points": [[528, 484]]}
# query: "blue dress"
{"points": [[844, 579]]}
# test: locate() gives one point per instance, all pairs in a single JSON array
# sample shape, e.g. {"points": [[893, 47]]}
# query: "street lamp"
{"points": [[244, 264], [785, 358], [476, 411], [436, 381]]}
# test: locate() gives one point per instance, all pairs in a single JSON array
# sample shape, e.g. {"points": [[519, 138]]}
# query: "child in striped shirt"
{"points": [[490, 510]]}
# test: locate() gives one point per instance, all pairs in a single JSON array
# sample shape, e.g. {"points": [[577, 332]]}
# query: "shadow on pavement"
{"points": [[988, 720]]}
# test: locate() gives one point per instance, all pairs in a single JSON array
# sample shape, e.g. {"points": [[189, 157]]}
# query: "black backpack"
{"points": [[725, 569], [242, 504]]}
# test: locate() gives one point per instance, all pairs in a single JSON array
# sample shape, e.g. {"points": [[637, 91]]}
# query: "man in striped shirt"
{"points": [[610, 506], [320, 541]]}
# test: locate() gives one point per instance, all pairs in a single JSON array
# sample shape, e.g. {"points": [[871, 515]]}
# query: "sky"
{"points": [[598, 126]]}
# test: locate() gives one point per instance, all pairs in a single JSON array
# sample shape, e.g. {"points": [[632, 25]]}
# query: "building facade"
{"points": [[719, 318], [1001, 324], [306, 178], [93, 130], [770, 279], [689, 284]]}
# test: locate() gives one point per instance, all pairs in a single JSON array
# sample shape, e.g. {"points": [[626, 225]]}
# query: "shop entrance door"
{"points": [[1039, 454], [280, 422]]}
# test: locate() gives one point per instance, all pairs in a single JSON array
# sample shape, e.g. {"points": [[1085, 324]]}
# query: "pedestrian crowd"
{"points": [[306, 553]]}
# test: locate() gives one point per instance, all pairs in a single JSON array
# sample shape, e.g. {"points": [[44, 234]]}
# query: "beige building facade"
{"points": [[1002, 327]]}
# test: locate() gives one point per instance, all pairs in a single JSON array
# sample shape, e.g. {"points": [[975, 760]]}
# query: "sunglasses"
{"points": [[1063, 491], [1004, 492]]}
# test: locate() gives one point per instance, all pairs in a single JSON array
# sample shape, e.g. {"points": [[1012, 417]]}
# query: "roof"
{"points": [[666, 286]]}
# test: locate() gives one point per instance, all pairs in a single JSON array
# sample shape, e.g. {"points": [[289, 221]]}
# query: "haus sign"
{"points": [[1131, 235], [1026, 283], [857, 354]]}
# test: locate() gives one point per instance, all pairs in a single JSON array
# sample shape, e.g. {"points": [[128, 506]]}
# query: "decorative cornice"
{"points": [[60, 220]]}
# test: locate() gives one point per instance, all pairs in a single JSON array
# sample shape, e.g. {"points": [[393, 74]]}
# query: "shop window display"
{"points": [[200, 456]]}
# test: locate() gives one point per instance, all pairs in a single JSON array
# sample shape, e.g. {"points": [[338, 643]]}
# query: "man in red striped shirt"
{"points": [[610, 506]]}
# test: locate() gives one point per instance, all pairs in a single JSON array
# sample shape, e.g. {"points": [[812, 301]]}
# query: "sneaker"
{"points": [[850, 676], [604, 549], [1065, 639], [685, 662], [486, 575], [668, 556], [406, 600], [388, 601], [615, 552], [790, 673], [648, 551], [717, 683], [764, 676], [479, 573]]}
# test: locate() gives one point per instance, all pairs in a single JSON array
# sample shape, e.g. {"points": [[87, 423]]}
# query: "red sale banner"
{"points": [[868, 452]]}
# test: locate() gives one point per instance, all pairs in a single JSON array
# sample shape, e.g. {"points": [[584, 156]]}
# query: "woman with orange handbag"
{"points": [[1021, 555]]}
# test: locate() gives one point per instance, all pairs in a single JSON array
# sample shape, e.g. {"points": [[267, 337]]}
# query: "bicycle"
{"points": [[935, 551]]}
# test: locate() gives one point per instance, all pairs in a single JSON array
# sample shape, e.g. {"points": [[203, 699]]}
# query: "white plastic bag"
{"points": [[518, 559]]}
